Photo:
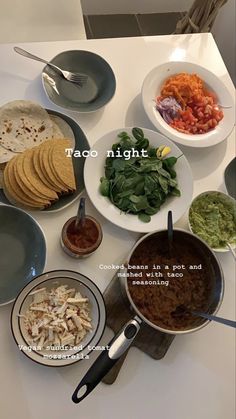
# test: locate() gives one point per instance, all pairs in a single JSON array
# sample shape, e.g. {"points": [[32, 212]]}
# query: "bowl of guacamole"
{"points": [[212, 217]]}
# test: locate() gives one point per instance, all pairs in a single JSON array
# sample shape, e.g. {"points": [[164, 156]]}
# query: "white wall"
{"points": [[93, 7], [224, 34], [41, 20], [223, 29]]}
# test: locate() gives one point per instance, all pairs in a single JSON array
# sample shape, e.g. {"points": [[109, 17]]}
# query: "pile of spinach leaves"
{"points": [[139, 185]]}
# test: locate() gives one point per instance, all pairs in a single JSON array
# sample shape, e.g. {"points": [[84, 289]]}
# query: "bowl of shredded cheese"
{"points": [[58, 318]]}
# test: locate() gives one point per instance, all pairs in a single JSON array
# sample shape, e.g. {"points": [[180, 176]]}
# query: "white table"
{"points": [[196, 378]]}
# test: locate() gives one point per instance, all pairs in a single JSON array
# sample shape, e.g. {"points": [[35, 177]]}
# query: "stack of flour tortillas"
{"points": [[36, 170]]}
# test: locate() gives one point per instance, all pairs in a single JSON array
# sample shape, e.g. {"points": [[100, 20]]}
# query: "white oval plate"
{"points": [[151, 89], [94, 170]]}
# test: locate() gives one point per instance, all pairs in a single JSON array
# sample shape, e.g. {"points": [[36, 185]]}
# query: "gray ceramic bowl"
{"points": [[229, 177], [22, 251], [96, 92]]}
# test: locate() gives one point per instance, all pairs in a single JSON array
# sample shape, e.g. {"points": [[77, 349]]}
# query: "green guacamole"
{"points": [[212, 217]]}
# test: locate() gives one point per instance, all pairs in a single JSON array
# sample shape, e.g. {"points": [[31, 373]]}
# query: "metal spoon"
{"points": [[80, 217], [78, 78], [170, 231], [181, 310], [217, 319]]}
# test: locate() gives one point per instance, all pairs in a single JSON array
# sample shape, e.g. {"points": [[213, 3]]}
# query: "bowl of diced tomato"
{"points": [[189, 104]]}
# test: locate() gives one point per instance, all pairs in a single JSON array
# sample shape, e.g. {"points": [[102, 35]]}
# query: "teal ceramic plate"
{"points": [[95, 93], [81, 144], [22, 251]]}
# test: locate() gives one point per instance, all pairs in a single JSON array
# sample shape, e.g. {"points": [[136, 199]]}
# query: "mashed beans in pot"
{"points": [[191, 288]]}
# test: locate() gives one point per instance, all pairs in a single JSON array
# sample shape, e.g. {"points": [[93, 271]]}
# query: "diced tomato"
{"points": [[200, 116]]}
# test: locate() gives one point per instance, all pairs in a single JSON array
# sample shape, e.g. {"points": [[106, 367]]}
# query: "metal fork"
{"points": [[77, 78]]}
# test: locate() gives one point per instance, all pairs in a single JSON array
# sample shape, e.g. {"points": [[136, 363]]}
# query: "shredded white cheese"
{"points": [[57, 317]]}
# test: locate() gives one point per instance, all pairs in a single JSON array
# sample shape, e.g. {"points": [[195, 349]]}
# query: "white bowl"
{"points": [[151, 89], [94, 170], [98, 315], [227, 197]]}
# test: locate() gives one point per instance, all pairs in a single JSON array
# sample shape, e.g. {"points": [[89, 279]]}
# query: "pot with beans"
{"points": [[160, 280]]}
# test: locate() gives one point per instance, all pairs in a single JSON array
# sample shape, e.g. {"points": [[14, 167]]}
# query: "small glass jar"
{"points": [[82, 242]]}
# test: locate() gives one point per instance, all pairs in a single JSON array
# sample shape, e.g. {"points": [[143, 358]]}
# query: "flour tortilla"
{"points": [[24, 124], [57, 133], [60, 125], [5, 155], [18, 139]]}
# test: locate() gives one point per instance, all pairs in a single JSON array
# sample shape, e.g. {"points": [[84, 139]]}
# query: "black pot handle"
{"points": [[117, 347]]}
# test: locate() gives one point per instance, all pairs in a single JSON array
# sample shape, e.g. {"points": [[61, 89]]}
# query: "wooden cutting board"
{"points": [[151, 341]]}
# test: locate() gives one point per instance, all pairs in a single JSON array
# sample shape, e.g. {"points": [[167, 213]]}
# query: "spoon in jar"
{"points": [[170, 232], [181, 310], [80, 217]]}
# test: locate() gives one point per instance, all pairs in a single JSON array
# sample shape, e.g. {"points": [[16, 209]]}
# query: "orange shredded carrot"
{"points": [[183, 87]]}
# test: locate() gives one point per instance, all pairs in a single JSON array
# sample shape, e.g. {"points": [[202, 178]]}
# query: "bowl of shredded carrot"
{"points": [[188, 103]]}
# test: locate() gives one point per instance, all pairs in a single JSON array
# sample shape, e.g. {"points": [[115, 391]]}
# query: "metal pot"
{"points": [[122, 341], [210, 259]]}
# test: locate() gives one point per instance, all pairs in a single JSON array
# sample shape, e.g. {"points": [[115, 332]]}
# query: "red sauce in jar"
{"points": [[83, 237], [81, 241]]}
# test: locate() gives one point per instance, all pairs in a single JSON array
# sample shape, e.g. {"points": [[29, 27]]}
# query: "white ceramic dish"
{"points": [[151, 89], [94, 170], [98, 314], [226, 197]]}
